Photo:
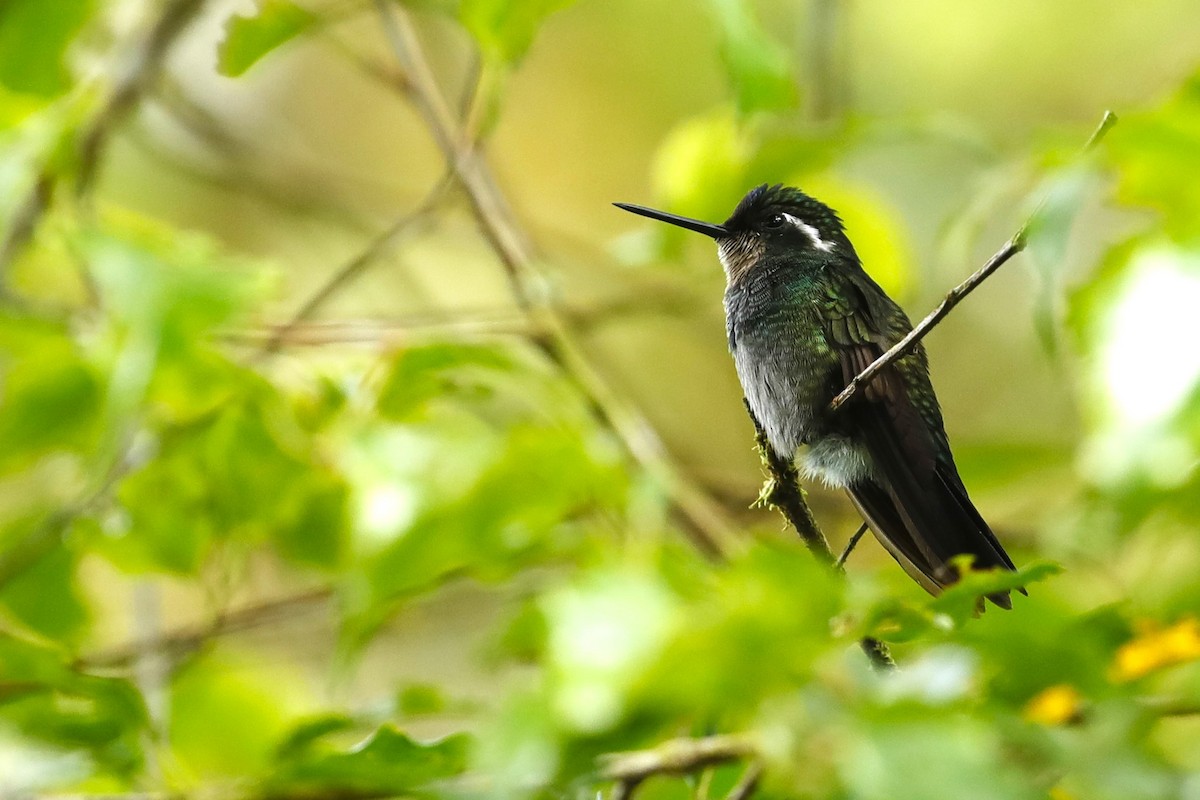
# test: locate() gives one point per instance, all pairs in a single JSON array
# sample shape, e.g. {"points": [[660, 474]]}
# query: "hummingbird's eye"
{"points": [[776, 222]]}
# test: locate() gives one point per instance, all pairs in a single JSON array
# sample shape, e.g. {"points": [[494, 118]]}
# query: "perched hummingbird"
{"points": [[803, 319]]}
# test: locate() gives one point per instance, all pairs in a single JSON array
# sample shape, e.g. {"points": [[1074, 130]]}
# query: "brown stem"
{"points": [[185, 639], [1013, 246], [356, 265], [675, 757]]}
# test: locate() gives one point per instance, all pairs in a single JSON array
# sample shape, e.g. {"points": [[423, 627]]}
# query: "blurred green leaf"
{"points": [[700, 169], [516, 514], [774, 599], [24, 597], [1063, 193], [758, 66], [422, 375], [418, 699], [314, 521], [896, 620], [931, 759], [249, 39], [242, 473], [961, 600], [34, 36], [49, 395], [386, 762], [505, 29], [229, 713], [605, 631], [46, 699], [1155, 153]]}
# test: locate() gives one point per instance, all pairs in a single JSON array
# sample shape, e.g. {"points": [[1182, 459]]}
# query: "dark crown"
{"points": [[764, 201]]}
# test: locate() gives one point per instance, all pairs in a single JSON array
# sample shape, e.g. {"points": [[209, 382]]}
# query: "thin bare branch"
{"points": [[850, 545], [356, 265], [383, 333], [1013, 246], [707, 523], [676, 757], [143, 64], [183, 640]]}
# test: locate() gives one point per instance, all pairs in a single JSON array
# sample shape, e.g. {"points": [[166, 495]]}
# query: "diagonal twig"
{"points": [[676, 757], [356, 265], [706, 522], [748, 784], [850, 545], [1013, 246]]}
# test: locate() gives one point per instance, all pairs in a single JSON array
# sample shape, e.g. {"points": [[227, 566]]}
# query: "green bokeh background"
{"points": [[401, 556]]}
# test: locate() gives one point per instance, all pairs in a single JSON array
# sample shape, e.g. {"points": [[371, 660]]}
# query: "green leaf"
{"points": [[961, 600], [34, 35], [896, 620], [507, 519], [422, 375], [229, 713], [25, 597], [1049, 233], [700, 168], [757, 65], [46, 699], [243, 473], [313, 526], [49, 396], [1156, 154], [505, 29], [249, 39], [387, 762], [935, 758], [419, 699]]}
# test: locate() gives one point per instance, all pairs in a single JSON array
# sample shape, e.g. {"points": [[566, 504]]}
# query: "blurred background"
{"points": [[352, 444]]}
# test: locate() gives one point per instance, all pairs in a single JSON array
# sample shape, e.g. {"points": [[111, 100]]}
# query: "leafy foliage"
{"points": [[505, 29], [34, 38], [467, 489], [249, 39]]}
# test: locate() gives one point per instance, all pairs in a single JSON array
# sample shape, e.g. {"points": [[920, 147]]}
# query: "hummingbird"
{"points": [[803, 318]]}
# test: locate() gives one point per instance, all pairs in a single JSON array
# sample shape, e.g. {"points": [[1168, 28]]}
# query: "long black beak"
{"points": [[707, 228]]}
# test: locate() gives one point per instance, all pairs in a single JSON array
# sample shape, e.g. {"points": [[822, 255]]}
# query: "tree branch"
{"points": [[187, 638], [850, 545], [783, 491], [1013, 246], [706, 522], [355, 266], [675, 757]]}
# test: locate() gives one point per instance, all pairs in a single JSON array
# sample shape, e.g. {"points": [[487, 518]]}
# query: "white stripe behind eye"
{"points": [[813, 233]]}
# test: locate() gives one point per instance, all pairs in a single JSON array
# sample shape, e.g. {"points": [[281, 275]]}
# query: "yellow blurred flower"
{"points": [[1059, 793], [1154, 649], [1055, 705]]}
